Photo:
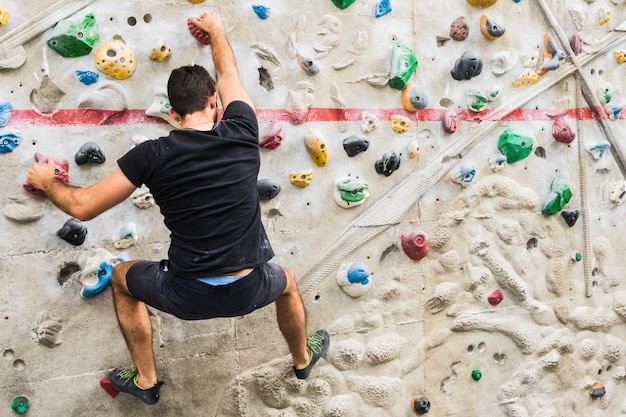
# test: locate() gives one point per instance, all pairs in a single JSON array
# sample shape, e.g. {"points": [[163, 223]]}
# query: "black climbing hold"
{"points": [[89, 152], [570, 217], [267, 189], [467, 66], [73, 231], [420, 405], [388, 163], [353, 145]]}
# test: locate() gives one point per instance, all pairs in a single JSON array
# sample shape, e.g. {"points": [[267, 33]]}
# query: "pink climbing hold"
{"points": [[495, 297], [562, 131], [273, 138], [415, 245], [200, 35], [61, 168], [450, 121]]}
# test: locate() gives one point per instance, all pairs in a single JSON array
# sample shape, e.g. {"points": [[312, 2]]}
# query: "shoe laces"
{"points": [[315, 343], [127, 374]]}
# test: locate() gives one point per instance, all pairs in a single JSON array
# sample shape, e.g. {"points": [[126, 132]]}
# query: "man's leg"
{"points": [[292, 321], [134, 322]]}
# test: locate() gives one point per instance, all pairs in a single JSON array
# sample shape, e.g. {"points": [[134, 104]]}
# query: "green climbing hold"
{"points": [[403, 65], [476, 375], [74, 37], [342, 4], [560, 194], [578, 257], [515, 144], [352, 191], [20, 404]]}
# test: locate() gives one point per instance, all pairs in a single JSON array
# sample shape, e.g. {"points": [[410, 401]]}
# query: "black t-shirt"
{"points": [[205, 184]]}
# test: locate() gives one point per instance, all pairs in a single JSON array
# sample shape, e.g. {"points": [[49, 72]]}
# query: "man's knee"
{"points": [[291, 285], [118, 276]]}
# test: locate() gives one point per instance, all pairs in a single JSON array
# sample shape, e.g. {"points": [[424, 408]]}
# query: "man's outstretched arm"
{"points": [[229, 85], [82, 203]]}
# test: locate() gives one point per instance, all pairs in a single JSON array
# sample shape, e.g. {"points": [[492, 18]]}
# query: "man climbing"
{"points": [[203, 177]]}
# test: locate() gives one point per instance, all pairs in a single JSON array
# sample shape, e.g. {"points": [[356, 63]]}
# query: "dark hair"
{"points": [[189, 89]]}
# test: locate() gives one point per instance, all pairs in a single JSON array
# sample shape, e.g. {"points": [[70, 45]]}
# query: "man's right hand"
{"points": [[209, 22]]}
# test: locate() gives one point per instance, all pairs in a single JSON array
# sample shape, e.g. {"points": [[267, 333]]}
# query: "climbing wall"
{"points": [[445, 178]]}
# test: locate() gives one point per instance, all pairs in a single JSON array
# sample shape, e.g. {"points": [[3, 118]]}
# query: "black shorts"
{"points": [[191, 299]]}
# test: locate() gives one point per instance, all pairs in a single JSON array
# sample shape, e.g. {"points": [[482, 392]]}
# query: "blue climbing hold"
{"points": [[383, 7], [261, 11], [87, 77], [6, 109], [358, 273], [8, 141]]}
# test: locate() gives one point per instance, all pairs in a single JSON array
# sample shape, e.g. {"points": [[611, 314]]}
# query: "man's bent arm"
{"points": [[229, 85], [81, 203]]}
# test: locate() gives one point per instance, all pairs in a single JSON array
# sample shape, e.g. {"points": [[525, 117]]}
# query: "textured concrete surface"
{"points": [[423, 326]]}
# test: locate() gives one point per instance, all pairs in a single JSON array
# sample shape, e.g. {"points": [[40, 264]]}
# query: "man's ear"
{"points": [[174, 115], [213, 101]]}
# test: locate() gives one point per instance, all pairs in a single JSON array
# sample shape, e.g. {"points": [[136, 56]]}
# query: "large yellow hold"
{"points": [[483, 3], [4, 16], [116, 59]]}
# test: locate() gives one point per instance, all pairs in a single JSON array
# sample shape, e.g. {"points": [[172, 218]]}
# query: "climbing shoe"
{"points": [[125, 380], [317, 345]]}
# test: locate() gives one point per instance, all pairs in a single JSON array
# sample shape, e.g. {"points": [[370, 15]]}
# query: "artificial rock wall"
{"points": [[419, 328]]}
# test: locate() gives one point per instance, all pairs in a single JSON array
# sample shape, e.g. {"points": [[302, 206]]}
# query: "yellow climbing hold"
{"points": [[620, 56], [116, 59], [302, 178], [315, 144], [482, 3], [528, 77], [4, 16]]}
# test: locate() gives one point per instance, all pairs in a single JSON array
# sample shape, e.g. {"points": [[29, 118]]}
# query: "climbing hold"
{"points": [[383, 7], [160, 107], [369, 122], [503, 60], [579, 16], [576, 42], [20, 404], [142, 198], [316, 145], [350, 192], [9, 140], [449, 121], [116, 59], [618, 192], [496, 163], [482, 3], [60, 173], [126, 237], [108, 96], [388, 163], [47, 97], [469, 65], [160, 50], [307, 64], [6, 110], [490, 29], [272, 138], [46, 329], [476, 375], [87, 77], [414, 149], [400, 123], [200, 35], [74, 36], [597, 390], [495, 297], [73, 232], [354, 278], [266, 53], [261, 11], [576, 256], [476, 100], [330, 34], [354, 145], [560, 193], [527, 77], [267, 189], [23, 209], [561, 131], [413, 98], [403, 65], [529, 59], [265, 79], [606, 91], [570, 217], [300, 99], [620, 56], [420, 405], [342, 4], [342, 114], [459, 29], [302, 178], [604, 15], [515, 144], [552, 55], [465, 175], [4, 16], [614, 112], [90, 152], [195, 1], [357, 47], [598, 150], [415, 245], [96, 275]]}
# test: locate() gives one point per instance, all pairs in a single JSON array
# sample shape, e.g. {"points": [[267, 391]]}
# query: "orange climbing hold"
{"points": [[482, 3]]}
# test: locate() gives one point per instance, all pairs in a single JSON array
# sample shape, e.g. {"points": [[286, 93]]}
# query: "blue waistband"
{"points": [[221, 280]]}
